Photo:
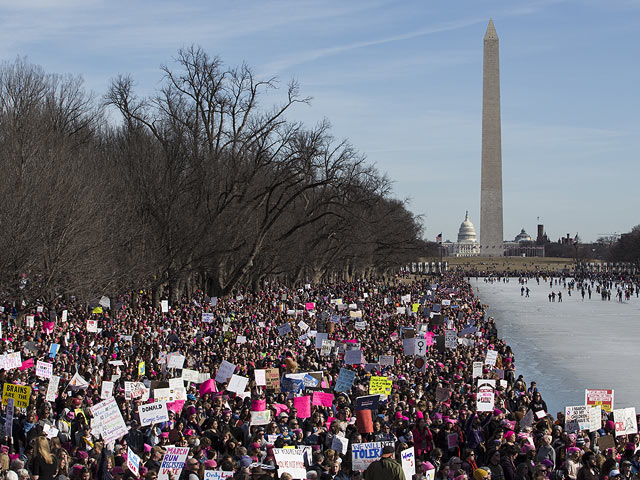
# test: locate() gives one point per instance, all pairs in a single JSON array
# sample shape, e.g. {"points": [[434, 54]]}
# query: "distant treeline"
{"points": [[198, 185]]}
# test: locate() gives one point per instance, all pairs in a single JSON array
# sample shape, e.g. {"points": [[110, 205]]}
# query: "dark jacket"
{"points": [[384, 469]]}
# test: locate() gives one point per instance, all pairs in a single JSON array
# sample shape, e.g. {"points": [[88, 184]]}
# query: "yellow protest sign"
{"points": [[380, 385], [415, 307], [21, 394], [141, 368]]}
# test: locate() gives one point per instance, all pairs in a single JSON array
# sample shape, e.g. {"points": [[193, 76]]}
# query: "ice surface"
{"points": [[569, 346]]}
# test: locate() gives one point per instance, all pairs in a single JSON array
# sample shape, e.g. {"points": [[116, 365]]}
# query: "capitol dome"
{"points": [[523, 236], [467, 234]]}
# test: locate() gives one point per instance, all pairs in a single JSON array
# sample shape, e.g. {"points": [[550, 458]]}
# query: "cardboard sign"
{"points": [[272, 379], [602, 397], [21, 395], [625, 421], [291, 461], [44, 369], [151, 413], [173, 461]]}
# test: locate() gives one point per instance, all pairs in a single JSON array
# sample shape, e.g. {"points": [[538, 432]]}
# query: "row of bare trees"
{"points": [[196, 185]]}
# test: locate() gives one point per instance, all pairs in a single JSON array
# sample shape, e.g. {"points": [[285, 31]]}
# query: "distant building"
{"points": [[523, 246], [467, 244]]}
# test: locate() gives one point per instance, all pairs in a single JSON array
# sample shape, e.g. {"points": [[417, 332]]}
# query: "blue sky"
{"points": [[402, 80]]}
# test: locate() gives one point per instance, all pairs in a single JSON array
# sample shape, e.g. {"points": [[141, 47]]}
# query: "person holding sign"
{"points": [[386, 468]]}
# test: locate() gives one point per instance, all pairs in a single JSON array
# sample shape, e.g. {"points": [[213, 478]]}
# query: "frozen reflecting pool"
{"points": [[569, 346]]}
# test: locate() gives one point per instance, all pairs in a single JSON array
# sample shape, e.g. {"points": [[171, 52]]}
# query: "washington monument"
{"points": [[491, 238]]}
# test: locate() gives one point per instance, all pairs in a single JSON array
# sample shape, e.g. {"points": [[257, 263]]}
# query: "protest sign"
{"points": [[408, 346], [353, 357], [442, 394], [52, 388], [485, 401], [8, 421], [302, 406], [225, 371], [207, 317], [291, 461], [12, 360], [576, 418], [133, 462], [217, 474], [237, 384], [109, 419], [387, 360], [272, 379], [322, 399], [284, 329], [345, 380], [53, 350], [21, 394], [605, 442], [241, 340], [164, 306], [602, 397], [625, 421], [595, 418], [92, 326], [477, 369], [173, 461], [450, 339], [364, 454], [340, 444], [380, 385], [420, 347], [408, 457], [134, 390], [189, 375], [176, 382], [107, 389], [261, 417], [368, 402], [151, 413], [491, 358], [259, 375], [175, 361], [44, 369]]}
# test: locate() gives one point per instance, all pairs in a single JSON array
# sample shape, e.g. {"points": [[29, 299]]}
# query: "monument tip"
{"points": [[491, 33]]}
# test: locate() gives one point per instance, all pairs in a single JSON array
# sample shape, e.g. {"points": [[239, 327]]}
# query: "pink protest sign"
{"points": [[258, 405], [303, 406], [310, 306], [323, 399], [175, 406]]}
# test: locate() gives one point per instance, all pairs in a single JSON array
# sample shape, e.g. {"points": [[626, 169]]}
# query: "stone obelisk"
{"points": [[491, 238]]}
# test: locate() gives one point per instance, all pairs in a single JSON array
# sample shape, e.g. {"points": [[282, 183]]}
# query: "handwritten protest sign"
{"points": [[189, 375], [291, 461], [111, 424], [408, 457], [602, 397], [303, 406], [491, 358], [284, 329], [387, 360], [261, 417], [173, 461], [133, 462], [625, 421], [477, 369], [353, 357], [345, 380], [322, 399], [44, 369], [595, 418], [92, 326], [380, 385], [175, 361], [237, 384], [21, 394], [52, 388], [217, 474], [576, 418], [261, 379], [225, 371], [151, 413], [272, 379]]}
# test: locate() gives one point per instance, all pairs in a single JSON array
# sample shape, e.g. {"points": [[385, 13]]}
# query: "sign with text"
{"points": [[173, 461], [151, 413], [602, 397], [21, 395]]}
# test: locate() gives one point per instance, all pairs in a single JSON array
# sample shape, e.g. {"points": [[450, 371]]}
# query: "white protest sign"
{"points": [[284, 329], [164, 305], [320, 337], [241, 340], [387, 360], [595, 418], [353, 357], [207, 317], [30, 321], [340, 444], [491, 358], [65, 316], [176, 383], [44, 369], [217, 475], [408, 462], [175, 361], [451, 339], [291, 461], [237, 384], [151, 413], [8, 424], [107, 389], [625, 421], [302, 325], [409, 346], [420, 347], [12, 360], [52, 389], [261, 379], [485, 401], [225, 371], [364, 454], [173, 461], [261, 418], [477, 369], [164, 395], [111, 424], [576, 418], [190, 375], [133, 462], [92, 326]]}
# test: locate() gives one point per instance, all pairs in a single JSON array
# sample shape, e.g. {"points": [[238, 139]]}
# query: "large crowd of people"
{"points": [[248, 377]]}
